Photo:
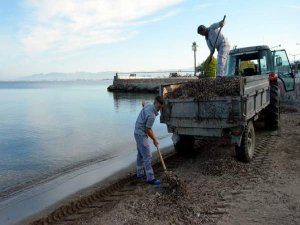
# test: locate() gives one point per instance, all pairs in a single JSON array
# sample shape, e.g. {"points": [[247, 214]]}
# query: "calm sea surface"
{"points": [[50, 128]]}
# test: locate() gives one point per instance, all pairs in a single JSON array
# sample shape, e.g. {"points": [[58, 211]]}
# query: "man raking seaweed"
{"points": [[143, 130]]}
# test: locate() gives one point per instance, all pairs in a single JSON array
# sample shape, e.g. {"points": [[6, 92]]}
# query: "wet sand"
{"points": [[219, 189]]}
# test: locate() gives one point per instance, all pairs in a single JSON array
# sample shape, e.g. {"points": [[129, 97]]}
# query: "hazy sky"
{"points": [[41, 36]]}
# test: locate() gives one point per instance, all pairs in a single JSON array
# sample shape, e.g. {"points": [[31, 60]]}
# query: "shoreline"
{"points": [[21, 187], [86, 195], [49, 195]]}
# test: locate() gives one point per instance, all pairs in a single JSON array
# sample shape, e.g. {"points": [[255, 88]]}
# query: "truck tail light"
{"points": [[273, 76], [236, 132]]}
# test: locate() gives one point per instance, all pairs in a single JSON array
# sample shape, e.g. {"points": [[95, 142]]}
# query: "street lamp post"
{"points": [[294, 55], [194, 48]]}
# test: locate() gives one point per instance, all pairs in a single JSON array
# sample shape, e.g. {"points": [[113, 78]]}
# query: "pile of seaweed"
{"points": [[205, 88]]}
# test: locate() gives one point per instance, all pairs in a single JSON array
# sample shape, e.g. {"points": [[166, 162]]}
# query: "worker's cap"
{"points": [[201, 28], [159, 99]]}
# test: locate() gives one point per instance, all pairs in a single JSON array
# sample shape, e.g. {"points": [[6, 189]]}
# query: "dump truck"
{"points": [[231, 118]]}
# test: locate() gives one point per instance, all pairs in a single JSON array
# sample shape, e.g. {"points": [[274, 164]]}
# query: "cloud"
{"points": [[73, 24]]}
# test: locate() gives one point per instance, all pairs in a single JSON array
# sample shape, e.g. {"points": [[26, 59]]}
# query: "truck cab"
{"points": [[260, 60]]}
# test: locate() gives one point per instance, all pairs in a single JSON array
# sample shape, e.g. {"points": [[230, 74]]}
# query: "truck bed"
{"points": [[218, 116]]}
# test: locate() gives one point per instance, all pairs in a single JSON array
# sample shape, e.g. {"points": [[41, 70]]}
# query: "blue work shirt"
{"points": [[145, 119]]}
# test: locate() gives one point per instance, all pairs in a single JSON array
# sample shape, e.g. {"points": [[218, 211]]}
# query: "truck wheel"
{"points": [[272, 110], [185, 145], [245, 151]]}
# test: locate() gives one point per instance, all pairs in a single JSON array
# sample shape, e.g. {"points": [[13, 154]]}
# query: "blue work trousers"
{"points": [[144, 157]]}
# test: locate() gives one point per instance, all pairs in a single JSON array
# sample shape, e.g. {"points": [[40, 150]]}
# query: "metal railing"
{"points": [[154, 74]]}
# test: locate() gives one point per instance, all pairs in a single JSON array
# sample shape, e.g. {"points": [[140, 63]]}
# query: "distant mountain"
{"points": [[86, 76], [69, 76]]}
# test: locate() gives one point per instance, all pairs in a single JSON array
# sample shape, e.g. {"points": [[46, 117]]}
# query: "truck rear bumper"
{"points": [[230, 134]]}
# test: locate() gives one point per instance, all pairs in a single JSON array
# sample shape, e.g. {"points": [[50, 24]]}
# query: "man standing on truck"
{"points": [[143, 130], [221, 44]]}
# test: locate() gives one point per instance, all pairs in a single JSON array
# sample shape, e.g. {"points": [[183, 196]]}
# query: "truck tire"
{"points": [[185, 145], [272, 110], [245, 151]]}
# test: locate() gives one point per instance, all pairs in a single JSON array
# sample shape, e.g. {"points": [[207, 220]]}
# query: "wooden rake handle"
{"points": [[219, 32], [161, 159]]}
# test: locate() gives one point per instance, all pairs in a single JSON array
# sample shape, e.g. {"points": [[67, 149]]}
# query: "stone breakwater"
{"points": [[145, 85]]}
